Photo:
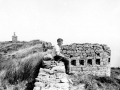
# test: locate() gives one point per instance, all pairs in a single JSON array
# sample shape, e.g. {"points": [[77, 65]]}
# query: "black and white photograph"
{"points": [[59, 44]]}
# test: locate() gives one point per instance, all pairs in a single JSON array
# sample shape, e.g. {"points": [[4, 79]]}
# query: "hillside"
{"points": [[20, 63], [9, 46], [91, 82]]}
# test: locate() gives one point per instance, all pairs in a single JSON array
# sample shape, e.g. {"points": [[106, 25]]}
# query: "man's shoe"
{"points": [[69, 73]]}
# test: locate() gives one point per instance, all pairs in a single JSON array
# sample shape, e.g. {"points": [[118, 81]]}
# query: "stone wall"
{"points": [[88, 58], [52, 79]]}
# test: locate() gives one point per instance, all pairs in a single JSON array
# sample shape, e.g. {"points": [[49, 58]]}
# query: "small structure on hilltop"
{"points": [[88, 58], [14, 38]]}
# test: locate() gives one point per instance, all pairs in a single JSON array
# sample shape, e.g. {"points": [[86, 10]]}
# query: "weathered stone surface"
{"points": [[59, 69], [96, 58], [39, 84], [78, 87], [64, 80], [56, 81], [37, 88]]}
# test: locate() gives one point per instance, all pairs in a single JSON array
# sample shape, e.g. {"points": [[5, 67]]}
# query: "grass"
{"points": [[95, 82], [19, 69], [15, 71], [26, 51]]}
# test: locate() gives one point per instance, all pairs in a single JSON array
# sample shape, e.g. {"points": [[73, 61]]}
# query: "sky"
{"points": [[76, 21]]}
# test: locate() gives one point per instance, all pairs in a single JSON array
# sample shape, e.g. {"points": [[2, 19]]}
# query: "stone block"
{"points": [[37, 88], [78, 69], [72, 69], [85, 69], [94, 68], [64, 80], [39, 84]]}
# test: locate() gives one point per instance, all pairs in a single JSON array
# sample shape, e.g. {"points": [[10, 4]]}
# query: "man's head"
{"points": [[60, 41]]}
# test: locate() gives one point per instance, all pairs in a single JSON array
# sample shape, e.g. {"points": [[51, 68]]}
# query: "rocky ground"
{"points": [[55, 79], [19, 66]]}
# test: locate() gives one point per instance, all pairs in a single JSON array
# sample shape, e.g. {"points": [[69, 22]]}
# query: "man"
{"points": [[59, 56]]}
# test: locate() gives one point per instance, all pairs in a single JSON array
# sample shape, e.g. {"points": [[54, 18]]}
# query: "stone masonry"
{"points": [[55, 79], [88, 58], [14, 38]]}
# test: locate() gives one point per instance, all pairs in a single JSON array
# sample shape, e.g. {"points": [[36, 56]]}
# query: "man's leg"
{"points": [[66, 63], [57, 58]]}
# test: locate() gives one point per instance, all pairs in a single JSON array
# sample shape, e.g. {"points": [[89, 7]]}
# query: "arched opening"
{"points": [[89, 62], [73, 62], [98, 61], [109, 60], [81, 62]]}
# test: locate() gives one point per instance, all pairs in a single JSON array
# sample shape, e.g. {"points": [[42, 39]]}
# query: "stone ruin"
{"points": [[88, 58], [14, 38]]}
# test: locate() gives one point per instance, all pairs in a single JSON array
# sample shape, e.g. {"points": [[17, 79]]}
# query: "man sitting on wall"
{"points": [[59, 56]]}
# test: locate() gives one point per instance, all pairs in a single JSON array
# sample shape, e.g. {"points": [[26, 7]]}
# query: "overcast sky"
{"points": [[76, 21]]}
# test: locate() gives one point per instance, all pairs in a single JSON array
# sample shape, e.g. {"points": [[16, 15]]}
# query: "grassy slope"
{"points": [[98, 83], [19, 67]]}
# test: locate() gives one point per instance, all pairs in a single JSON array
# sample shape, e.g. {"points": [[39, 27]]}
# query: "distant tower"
{"points": [[14, 38]]}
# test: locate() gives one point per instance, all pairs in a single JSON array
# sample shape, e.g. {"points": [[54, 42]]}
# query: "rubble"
{"points": [[56, 81]]}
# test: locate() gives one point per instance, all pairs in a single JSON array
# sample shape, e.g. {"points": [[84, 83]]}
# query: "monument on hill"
{"points": [[14, 38]]}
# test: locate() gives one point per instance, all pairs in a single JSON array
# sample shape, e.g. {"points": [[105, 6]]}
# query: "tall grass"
{"points": [[96, 83], [26, 51], [17, 70], [20, 65], [22, 69]]}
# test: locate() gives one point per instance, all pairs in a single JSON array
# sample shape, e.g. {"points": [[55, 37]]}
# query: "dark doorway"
{"points": [[109, 60], [73, 62], [81, 62], [89, 61], [98, 61]]}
